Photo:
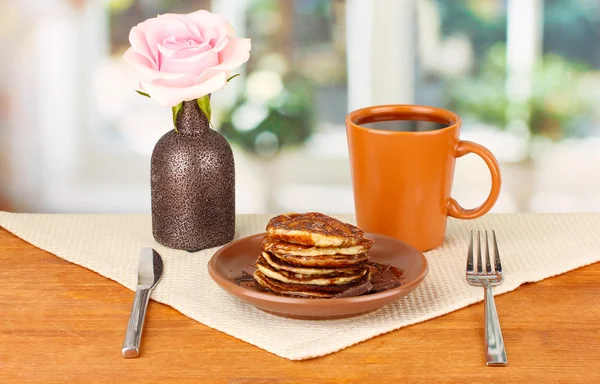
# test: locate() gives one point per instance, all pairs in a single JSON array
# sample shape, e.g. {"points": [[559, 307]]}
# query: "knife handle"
{"points": [[131, 345]]}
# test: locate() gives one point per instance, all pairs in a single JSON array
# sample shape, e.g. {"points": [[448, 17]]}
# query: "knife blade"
{"points": [[150, 269]]}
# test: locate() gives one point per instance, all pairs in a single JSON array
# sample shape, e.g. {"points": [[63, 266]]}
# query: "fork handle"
{"points": [[494, 343]]}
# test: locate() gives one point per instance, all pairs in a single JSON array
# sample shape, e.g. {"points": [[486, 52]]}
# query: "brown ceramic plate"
{"points": [[237, 255]]}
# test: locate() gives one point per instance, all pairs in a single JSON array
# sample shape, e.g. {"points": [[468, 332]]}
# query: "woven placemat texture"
{"points": [[533, 247]]}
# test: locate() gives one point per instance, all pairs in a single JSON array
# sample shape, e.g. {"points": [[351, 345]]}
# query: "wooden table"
{"points": [[63, 323]]}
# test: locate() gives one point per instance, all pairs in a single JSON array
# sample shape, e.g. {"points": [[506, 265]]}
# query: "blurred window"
{"points": [[523, 74], [91, 123]]}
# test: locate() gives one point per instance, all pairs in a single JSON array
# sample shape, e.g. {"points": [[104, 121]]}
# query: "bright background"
{"points": [[523, 74]]}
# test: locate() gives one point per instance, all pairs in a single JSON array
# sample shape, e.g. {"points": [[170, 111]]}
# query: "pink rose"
{"points": [[184, 57]]}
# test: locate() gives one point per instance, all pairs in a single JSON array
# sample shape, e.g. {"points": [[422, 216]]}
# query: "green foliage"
{"points": [[555, 106], [288, 117], [557, 103], [484, 22], [176, 109], [204, 104], [482, 97], [572, 29], [119, 5]]}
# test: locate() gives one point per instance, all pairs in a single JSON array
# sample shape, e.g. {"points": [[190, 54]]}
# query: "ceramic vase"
{"points": [[192, 184]]}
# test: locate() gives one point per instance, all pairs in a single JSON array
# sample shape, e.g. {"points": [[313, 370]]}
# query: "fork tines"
{"points": [[488, 264]]}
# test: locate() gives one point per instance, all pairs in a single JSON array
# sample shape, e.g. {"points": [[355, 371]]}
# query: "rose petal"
{"points": [[165, 51], [161, 29], [236, 53], [208, 21], [140, 45], [145, 68], [170, 96], [183, 50], [192, 52], [187, 80], [218, 45], [203, 61], [175, 27], [230, 30], [193, 56], [202, 25], [148, 29], [193, 27]]}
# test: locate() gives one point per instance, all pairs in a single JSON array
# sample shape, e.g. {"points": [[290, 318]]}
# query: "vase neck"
{"points": [[190, 119]]}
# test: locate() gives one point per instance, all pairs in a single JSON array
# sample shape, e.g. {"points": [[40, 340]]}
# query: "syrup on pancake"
{"points": [[314, 229]]}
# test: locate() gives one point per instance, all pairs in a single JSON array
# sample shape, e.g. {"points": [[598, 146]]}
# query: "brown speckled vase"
{"points": [[193, 184]]}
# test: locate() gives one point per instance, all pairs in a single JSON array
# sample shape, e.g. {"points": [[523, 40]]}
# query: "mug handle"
{"points": [[454, 209]]}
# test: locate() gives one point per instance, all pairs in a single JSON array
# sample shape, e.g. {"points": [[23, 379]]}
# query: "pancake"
{"points": [[304, 290], [281, 264], [269, 244], [333, 261], [289, 289], [321, 280], [314, 255], [314, 229]]}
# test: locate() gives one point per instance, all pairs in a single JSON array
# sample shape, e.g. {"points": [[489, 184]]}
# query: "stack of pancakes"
{"points": [[312, 255]]}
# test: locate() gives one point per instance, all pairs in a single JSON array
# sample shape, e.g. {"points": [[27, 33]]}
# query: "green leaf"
{"points": [[176, 109], [143, 93], [232, 77], [204, 104]]}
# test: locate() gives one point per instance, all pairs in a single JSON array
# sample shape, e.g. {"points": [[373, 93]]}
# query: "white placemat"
{"points": [[532, 246]]}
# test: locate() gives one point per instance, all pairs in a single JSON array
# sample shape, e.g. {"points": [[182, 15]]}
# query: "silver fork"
{"points": [[494, 343]]}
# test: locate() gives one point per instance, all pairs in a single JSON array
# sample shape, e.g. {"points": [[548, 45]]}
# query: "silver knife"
{"points": [[150, 270]]}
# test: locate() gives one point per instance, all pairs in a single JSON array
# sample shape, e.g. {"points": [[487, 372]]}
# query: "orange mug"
{"points": [[402, 180]]}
